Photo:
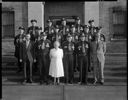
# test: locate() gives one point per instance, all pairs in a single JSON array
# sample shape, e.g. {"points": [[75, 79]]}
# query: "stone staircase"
{"points": [[115, 65]]}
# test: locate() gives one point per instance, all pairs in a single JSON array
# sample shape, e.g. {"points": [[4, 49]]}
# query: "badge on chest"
{"points": [[84, 46]]}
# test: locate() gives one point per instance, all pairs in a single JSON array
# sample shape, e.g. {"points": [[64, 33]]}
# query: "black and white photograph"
{"points": [[68, 50]]}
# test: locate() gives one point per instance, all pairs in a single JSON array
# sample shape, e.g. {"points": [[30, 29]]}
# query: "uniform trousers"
{"points": [[98, 68], [83, 67], [69, 67], [43, 65]]}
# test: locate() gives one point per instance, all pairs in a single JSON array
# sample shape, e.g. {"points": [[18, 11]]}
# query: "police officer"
{"points": [[17, 42], [75, 34], [49, 30], [33, 30], [82, 51], [78, 25], [68, 47], [91, 27], [39, 33], [35, 67], [57, 35], [75, 39], [64, 28], [43, 57], [88, 38]]}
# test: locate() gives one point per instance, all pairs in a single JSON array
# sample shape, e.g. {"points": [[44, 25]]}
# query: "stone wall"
{"points": [[20, 10], [105, 15]]}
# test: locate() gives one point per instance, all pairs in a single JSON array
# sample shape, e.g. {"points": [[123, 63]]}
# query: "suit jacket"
{"points": [[98, 50], [17, 42], [29, 52]]}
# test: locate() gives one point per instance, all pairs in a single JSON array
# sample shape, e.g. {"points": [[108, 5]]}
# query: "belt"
{"points": [[68, 53], [82, 54]]}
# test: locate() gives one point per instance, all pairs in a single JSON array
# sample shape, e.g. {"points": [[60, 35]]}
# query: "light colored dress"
{"points": [[56, 64]]}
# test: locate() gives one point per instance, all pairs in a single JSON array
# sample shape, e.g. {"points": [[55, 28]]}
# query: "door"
{"points": [[8, 24], [57, 20]]}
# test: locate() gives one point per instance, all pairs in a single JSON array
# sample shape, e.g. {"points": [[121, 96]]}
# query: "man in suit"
{"points": [[44, 46], [98, 49], [82, 52], [68, 47], [17, 42], [27, 56], [88, 38], [33, 30], [49, 30]]}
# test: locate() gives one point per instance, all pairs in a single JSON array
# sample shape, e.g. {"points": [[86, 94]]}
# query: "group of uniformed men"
{"points": [[32, 49]]}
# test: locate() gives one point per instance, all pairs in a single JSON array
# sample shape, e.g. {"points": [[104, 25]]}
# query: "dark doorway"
{"points": [[57, 20], [8, 24]]}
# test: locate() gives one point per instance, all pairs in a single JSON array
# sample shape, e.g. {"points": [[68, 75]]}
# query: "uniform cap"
{"points": [[90, 21], [82, 35], [63, 19], [33, 20], [43, 34], [40, 28], [21, 27], [77, 18], [49, 20], [98, 28], [56, 26], [72, 26], [69, 35], [85, 26]]}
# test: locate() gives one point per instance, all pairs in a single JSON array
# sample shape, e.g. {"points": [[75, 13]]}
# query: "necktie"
{"points": [[78, 29], [63, 30], [33, 32], [43, 45], [92, 30], [83, 48], [27, 43], [97, 44], [69, 47], [49, 31]]}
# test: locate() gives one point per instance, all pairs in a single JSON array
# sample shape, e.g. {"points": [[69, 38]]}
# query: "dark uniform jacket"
{"points": [[75, 37], [33, 31], [68, 47], [49, 31], [43, 47], [64, 30], [17, 42], [82, 48], [79, 28]]}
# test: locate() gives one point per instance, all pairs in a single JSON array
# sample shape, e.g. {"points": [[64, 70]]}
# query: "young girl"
{"points": [[56, 64]]}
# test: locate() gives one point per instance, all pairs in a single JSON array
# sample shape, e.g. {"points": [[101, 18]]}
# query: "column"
{"points": [[91, 11], [36, 11]]}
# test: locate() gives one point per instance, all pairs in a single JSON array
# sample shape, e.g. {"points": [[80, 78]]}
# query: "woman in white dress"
{"points": [[56, 64]]}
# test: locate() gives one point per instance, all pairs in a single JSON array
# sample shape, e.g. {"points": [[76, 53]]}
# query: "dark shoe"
{"points": [[102, 83], [30, 81], [41, 82], [94, 82], [58, 83], [25, 81]]}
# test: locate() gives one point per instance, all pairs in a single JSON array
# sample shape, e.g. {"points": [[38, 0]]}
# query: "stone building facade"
{"points": [[105, 14]]}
